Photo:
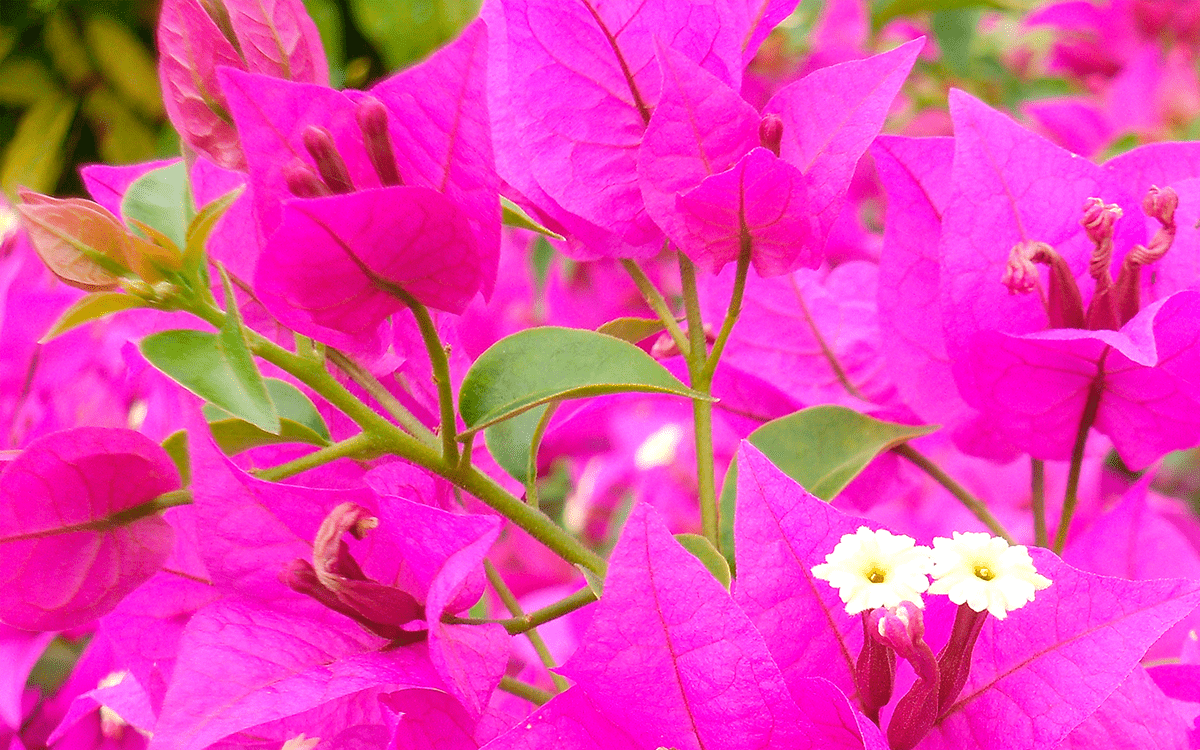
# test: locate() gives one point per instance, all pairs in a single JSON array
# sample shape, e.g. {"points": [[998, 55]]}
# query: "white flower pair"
{"points": [[872, 569]]}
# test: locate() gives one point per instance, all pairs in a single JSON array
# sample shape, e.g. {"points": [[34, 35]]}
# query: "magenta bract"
{"points": [[68, 555]]}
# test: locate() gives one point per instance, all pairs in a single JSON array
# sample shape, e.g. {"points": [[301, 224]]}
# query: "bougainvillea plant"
{"points": [[568, 390]]}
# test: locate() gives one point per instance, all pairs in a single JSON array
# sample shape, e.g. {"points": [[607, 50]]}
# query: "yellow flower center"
{"points": [[984, 572], [876, 576]]}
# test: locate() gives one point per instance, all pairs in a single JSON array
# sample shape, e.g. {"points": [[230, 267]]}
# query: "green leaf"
{"points": [[202, 225], [632, 330], [176, 446], [405, 31], [121, 136], [822, 448], [536, 366], [513, 216], [705, 552], [34, 156], [954, 31], [92, 307], [299, 422], [236, 435], [198, 361], [291, 403], [161, 199], [510, 385], [126, 64]]}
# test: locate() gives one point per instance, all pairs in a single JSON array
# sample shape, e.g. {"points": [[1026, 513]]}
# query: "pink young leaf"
{"points": [[1050, 664], [440, 125], [1138, 715], [781, 532], [759, 204], [334, 267], [430, 720], [241, 666], [700, 127], [191, 47], [278, 38], [569, 721], [830, 117], [673, 661], [81, 243], [70, 551]]}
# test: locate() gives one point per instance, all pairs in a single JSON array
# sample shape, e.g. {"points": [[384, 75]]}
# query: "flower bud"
{"points": [[321, 147], [372, 121], [770, 132], [302, 181]]}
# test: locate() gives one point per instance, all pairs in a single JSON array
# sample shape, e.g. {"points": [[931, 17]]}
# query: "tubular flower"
{"points": [[873, 569], [984, 572]]}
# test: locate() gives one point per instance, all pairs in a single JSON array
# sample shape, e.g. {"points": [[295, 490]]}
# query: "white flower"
{"points": [[984, 572], [872, 569]]}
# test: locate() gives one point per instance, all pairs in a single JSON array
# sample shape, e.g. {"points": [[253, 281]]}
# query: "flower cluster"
{"points": [[872, 569]]}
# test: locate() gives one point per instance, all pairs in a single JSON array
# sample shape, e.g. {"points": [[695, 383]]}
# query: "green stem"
{"points": [[658, 304], [514, 608], [518, 625], [1086, 420], [382, 396], [531, 488], [441, 372], [701, 380], [531, 693], [391, 439], [732, 314], [972, 503], [1037, 495], [358, 446]]}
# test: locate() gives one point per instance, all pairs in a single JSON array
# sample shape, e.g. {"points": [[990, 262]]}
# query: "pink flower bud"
{"points": [[770, 132], [321, 147], [372, 119]]}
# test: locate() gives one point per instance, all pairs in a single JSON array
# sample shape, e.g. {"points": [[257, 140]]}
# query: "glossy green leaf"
{"points": [[632, 330], [125, 63], [405, 31], [198, 361], [291, 403], [176, 446], [161, 199], [510, 385], [92, 307], [299, 421], [202, 226], [513, 216], [8, 40], [705, 552], [821, 447], [539, 365], [236, 435], [34, 156]]}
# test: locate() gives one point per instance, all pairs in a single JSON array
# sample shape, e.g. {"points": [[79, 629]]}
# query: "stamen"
{"points": [[1160, 204], [1099, 219], [321, 147], [372, 121], [876, 576], [984, 573], [1065, 306], [770, 132]]}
